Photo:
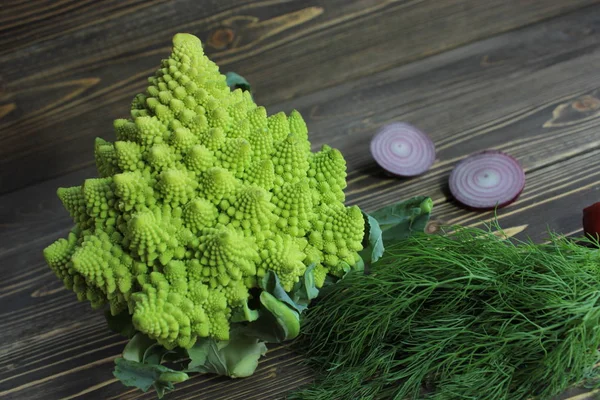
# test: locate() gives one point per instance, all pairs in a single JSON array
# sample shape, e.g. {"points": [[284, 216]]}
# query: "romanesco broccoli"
{"points": [[200, 196]]}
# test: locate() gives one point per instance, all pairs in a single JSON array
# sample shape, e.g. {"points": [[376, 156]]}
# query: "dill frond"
{"points": [[468, 314]]}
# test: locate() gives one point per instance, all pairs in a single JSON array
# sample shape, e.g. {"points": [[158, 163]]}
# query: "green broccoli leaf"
{"points": [[157, 354], [242, 356], [136, 348], [154, 354], [236, 358], [169, 356], [205, 357], [270, 283], [278, 322], [374, 248], [143, 376], [394, 222], [287, 319], [398, 221], [140, 366], [305, 290], [267, 328], [244, 313], [235, 81], [301, 294], [360, 265]]}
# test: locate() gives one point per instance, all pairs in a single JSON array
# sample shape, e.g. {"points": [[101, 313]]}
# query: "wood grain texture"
{"points": [[67, 68], [465, 106], [533, 92]]}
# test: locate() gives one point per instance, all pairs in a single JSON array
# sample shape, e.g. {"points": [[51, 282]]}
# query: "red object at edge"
{"points": [[591, 220]]}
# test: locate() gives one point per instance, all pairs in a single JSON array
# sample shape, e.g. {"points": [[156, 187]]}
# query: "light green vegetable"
{"points": [[236, 358], [289, 320], [144, 376], [200, 197]]}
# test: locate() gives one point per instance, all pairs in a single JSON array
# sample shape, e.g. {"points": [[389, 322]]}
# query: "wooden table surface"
{"points": [[522, 76]]}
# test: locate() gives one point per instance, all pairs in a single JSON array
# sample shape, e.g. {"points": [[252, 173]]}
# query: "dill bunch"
{"points": [[465, 315]]}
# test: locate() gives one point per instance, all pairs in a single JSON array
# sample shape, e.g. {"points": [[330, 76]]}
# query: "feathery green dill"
{"points": [[466, 315]]}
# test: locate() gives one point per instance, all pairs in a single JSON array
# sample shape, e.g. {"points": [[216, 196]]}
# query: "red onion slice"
{"points": [[487, 180], [402, 149]]}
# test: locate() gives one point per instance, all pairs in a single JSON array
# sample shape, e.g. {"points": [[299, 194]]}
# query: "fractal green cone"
{"points": [[202, 195]]}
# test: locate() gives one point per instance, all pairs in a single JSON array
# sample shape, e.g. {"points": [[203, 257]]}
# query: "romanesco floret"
{"points": [[200, 195]]}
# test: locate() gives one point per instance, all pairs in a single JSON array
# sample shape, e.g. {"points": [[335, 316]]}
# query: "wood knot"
{"points": [[221, 38], [578, 110], [433, 226], [586, 103], [6, 109]]}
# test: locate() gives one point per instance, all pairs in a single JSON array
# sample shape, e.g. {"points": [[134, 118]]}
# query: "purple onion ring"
{"points": [[487, 180], [402, 149]]}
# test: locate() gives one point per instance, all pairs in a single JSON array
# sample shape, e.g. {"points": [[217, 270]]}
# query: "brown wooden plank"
{"points": [[463, 105], [31, 23], [56, 348], [63, 82], [35, 212], [60, 348]]}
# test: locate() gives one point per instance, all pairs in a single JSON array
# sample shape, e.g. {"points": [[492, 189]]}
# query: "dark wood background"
{"points": [[522, 76]]}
